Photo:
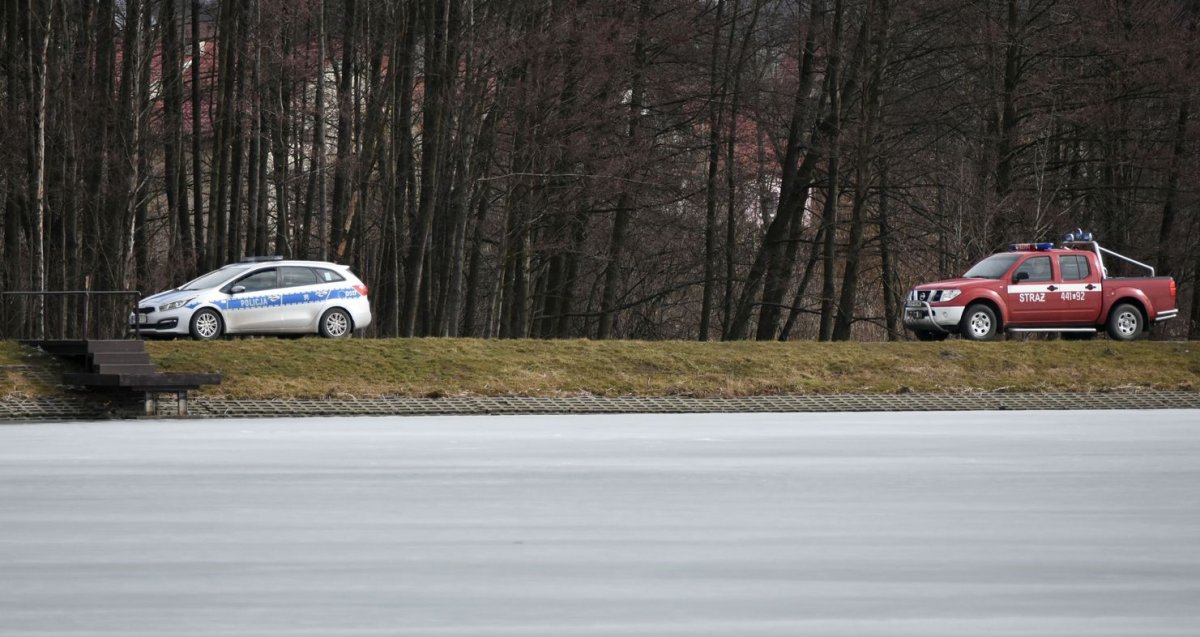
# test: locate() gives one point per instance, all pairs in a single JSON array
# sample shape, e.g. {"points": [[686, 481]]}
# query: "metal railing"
{"points": [[68, 314]]}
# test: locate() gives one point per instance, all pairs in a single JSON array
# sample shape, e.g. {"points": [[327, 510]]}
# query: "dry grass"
{"points": [[265, 368], [314, 368], [25, 371]]}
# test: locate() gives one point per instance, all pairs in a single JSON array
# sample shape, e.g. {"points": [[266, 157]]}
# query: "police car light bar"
{"points": [[274, 257], [1045, 245]]}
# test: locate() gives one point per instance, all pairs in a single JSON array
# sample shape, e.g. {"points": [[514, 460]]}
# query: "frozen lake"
{"points": [[935, 524]]}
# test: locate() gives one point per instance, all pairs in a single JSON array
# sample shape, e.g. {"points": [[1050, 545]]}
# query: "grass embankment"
{"points": [[266, 368], [316, 368], [25, 371]]}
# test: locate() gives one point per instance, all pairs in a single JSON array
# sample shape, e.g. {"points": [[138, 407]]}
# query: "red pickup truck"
{"points": [[1036, 287]]}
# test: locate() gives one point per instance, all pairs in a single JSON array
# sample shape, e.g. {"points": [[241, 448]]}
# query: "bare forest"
{"points": [[649, 169]]}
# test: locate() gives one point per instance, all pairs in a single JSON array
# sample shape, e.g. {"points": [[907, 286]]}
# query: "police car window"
{"points": [[1037, 267], [259, 281], [1074, 268], [298, 276], [213, 279], [329, 276]]}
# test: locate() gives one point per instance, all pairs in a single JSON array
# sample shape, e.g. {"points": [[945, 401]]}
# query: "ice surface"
{"points": [[924, 524]]}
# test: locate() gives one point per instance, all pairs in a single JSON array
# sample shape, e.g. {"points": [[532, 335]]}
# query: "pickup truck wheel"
{"points": [[927, 335], [979, 323], [1125, 323]]}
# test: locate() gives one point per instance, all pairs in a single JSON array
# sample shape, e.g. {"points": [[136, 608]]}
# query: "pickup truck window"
{"points": [[992, 267], [1074, 268], [1038, 269]]}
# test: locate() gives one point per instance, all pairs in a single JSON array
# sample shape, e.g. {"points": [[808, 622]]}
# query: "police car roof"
{"points": [[280, 262]]}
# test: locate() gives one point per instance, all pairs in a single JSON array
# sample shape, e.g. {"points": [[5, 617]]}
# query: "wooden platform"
{"points": [[124, 365]]}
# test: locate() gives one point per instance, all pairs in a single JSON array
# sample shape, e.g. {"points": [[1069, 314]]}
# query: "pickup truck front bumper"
{"points": [[920, 315]]}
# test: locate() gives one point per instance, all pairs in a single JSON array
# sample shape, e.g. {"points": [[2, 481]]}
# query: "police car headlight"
{"points": [[174, 305], [949, 295]]}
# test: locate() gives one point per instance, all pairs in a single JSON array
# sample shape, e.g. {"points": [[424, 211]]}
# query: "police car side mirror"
{"points": [[1018, 277], [237, 289]]}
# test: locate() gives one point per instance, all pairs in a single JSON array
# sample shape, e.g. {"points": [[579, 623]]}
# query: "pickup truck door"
{"points": [[1079, 297], [1028, 292]]}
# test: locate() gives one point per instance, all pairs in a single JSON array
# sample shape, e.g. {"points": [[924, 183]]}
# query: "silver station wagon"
{"points": [[259, 295]]}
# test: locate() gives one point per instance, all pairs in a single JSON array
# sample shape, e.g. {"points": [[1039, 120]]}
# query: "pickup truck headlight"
{"points": [[174, 305], [948, 295]]}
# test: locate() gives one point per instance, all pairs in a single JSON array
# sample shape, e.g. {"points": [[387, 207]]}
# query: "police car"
{"points": [[259, 295]]}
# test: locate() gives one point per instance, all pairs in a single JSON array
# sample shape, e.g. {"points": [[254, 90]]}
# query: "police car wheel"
{"points": [[206, 325], [1125, 323], [336, 323], [979, 323]]}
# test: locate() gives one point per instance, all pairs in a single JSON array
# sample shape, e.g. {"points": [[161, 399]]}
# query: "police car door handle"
{"points": [[1051, 287], [1089, 286]]}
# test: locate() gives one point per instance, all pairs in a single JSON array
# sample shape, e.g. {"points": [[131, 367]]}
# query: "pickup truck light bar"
{"points": [[1045, 245]]}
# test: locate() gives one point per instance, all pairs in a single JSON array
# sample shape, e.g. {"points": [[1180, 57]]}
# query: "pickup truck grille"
{"points": [[925, 296]]}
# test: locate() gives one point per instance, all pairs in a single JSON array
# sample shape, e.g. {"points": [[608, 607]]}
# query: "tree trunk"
{"points": [[343, 176], [797, 306], [234, 241], [197, 132], [399, 169], [474, 284], [829, 219], [716, 99], [139, 186], [40, 27], [1008, 130], [625, 200], [280, 159], [777, 256], [891, 283], [172, 98], [321, 204], [1194, 319], [226, 111], [1167, 226], [731, 144], [256, 186], [771, 268], [871, 112], [437, 72]]}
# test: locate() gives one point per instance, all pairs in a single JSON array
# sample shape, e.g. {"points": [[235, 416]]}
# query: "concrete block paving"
{"points": [[18, 409]]}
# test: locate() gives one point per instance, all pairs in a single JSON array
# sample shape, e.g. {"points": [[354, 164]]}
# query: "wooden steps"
{"points": [[124, 365]]}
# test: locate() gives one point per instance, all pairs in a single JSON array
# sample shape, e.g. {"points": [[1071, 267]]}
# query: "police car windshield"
{"points": [[213, 279], [992, 267]]}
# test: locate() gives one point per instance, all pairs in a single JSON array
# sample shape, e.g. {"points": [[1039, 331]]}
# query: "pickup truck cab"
{"points": [[1037, 287]]}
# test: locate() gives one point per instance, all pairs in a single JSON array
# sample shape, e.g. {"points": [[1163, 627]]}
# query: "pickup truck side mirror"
{"points": [[237, 289], [1017, 278]]}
